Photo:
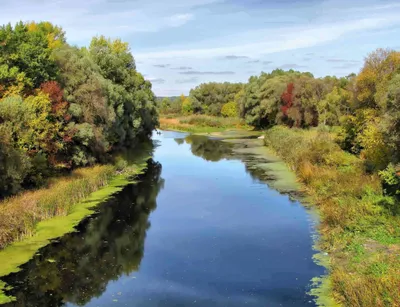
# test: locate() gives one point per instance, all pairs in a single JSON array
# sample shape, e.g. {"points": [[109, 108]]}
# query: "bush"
{"points": [[229, 109]]}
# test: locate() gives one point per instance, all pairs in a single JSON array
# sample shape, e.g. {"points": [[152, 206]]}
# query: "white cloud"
{"points": [[179, 19], [84, 19], [281, 40]]}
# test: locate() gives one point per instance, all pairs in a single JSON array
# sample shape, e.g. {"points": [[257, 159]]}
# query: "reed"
{"points": [[20, 214]]}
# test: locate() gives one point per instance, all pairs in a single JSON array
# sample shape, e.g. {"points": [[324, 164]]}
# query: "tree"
{"points": [[14, 164], [187, 107], [372, 81], [208, 98], [333, 106]]}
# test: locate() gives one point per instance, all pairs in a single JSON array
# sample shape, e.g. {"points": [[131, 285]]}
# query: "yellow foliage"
{"points": [[32, 26], [229, 109], [118, 46], [42, 132], [366, 82], [187, 106], [375, 150], [53, 33]]}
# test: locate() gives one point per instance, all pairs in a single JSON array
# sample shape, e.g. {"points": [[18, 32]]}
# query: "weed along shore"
{"points": [[56, 210], [358, 233]]}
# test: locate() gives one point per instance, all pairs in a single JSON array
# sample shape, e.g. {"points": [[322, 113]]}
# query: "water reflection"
{"points": [[216, 150], [208, 149], [79, 266]]}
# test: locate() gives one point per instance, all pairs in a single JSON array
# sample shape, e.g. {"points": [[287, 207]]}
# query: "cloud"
{"points": [[310, 54], [307, 59], [179, 19], [161, 65], [281, 39], [346, 65], [194, 72], [253, 61], [236, 57], [189, 80], [335, 60], [156, 80], [86, 19], [291, 66], [182, 68], [267, 62]]}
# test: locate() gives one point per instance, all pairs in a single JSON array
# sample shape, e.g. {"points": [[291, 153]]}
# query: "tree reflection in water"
{"points": [[79, 266], [208, 149], [215, 150]]}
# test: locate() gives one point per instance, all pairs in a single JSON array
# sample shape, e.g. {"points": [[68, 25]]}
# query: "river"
{"points": [[199, 229]]}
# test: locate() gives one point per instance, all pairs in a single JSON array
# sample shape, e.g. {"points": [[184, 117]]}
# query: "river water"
{"points": [[197, 230]]}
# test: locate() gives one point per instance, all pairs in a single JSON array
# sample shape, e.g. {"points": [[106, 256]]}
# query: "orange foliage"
{"points": [[59, 107]]}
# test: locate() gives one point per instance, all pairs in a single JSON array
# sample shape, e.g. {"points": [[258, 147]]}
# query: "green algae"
{"points": [[18, 253], [322, 285], [266, 164], [4, 298], [322, 290], [232, 134]]}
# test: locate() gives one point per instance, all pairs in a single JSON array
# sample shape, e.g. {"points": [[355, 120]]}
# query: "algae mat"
{"points": [[262, 161], [18, 253]]}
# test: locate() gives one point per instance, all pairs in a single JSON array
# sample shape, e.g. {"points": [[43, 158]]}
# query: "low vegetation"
{"points": [[360, 223], [20, 214], [201, 123]]}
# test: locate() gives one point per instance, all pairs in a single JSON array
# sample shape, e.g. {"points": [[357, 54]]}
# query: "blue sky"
{"points": [[180, 44]]}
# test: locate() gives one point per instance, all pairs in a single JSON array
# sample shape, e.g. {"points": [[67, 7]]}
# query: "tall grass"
{"points": [[20, 214], [358, 229]]}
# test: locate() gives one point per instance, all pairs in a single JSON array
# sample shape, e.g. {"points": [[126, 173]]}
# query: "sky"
{"points": [[179, 44]]}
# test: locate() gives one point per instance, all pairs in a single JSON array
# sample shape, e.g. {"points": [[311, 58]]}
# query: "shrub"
{"points": [[229, 109]]}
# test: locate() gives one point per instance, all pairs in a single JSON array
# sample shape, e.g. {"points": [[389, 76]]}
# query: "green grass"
{"points": [[21, 251], [201, 124], [358, 229], [211, 121]]}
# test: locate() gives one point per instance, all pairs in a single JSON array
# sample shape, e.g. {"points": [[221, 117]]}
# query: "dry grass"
{"points": [[353, 212], [20, 214]]}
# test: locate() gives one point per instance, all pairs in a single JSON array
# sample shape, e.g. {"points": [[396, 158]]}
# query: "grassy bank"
{"points": [[30, 220], [359, 229], [201, 123]]}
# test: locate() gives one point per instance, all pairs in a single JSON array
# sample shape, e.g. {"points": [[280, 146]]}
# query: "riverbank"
{"points": [[201, 124], [31, 220], [358, 229]]}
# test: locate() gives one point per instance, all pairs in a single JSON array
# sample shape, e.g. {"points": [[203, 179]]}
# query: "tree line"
{"points": [[62, 106], [362, 109]]}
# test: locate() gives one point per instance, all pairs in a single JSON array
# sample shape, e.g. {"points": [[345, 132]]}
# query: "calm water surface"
{"points": [[197, 230]]}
